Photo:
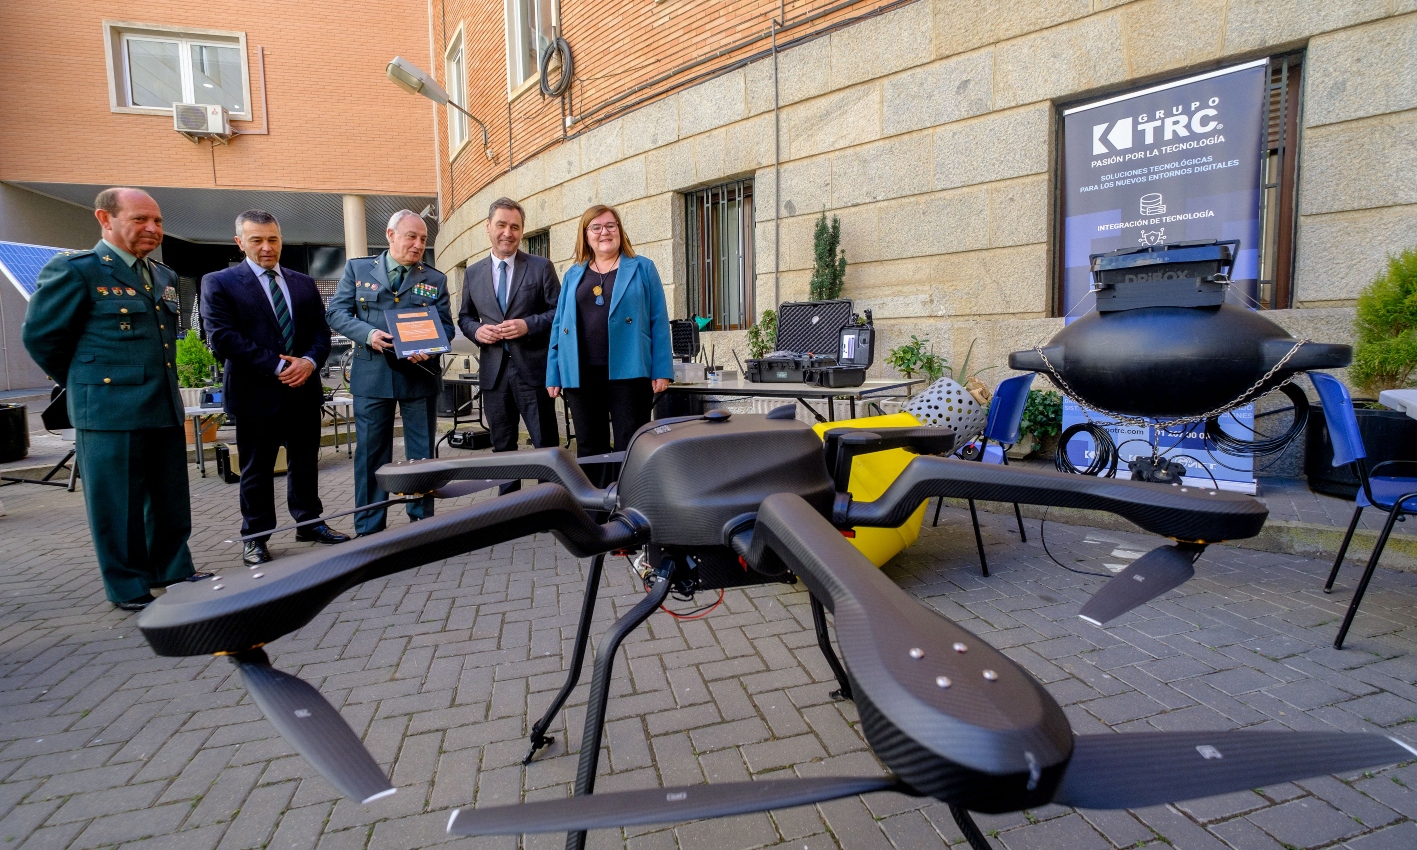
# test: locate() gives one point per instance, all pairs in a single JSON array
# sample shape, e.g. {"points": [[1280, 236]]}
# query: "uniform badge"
{"points": [[130, 290], [169, 294], [107, 259], [374, 287], [103, 290]]}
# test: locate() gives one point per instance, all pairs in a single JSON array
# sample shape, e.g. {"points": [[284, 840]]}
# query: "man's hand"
{"points": [[659, 385], [487, 334], [297, 370], [417, 358], [381, 341], [512, 328], [553, 391]]}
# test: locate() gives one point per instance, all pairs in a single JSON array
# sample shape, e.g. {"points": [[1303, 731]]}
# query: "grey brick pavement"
{"points": [[441, 669]]}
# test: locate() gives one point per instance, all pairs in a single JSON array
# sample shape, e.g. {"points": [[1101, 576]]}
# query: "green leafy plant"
{"points": [[1042, 414], [918, 356], [194, 361], [762, 337], [1386, 322], [829, 272]]}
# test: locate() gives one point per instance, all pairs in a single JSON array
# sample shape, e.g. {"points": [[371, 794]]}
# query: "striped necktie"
{"points": [[287, 328]]}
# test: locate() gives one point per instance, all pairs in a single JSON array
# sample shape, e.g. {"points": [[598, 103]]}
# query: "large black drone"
{"points": [[724, 501]]}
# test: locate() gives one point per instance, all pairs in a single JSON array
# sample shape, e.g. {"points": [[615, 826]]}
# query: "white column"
{"points": [[356, 239]]}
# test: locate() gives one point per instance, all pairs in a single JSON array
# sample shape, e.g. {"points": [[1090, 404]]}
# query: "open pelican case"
{"points": [[807, 330]]}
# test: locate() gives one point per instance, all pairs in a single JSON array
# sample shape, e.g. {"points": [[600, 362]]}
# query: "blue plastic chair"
{"points": [[1395, 494], [1002, 426]]}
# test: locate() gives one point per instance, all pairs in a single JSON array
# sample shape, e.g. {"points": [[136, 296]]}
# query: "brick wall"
{"points": [[336, 124]]}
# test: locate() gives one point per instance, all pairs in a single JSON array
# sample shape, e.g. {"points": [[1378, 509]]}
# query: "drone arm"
{"points": [[843, 445], [555, 465], [1193, 514], [253, 608]]}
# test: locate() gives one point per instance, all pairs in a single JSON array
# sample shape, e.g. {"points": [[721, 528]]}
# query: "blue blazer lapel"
{"points": [[629, 266]]}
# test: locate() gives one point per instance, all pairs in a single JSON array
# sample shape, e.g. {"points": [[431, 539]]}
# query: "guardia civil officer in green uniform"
{"points": [[103, 323], [371, 286]]}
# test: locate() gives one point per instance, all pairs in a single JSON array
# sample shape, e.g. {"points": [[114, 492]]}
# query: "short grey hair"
{"points": [[400, 216], [506, 204], [110, 200], [255, 217]]}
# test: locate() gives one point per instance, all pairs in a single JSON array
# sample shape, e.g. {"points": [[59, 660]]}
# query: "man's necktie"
{"points": [[396, 277], [143, 273], [502, 286], [287, 328]]}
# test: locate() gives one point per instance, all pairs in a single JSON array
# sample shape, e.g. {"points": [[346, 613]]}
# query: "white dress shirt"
{"points": [[260, 274], [511, 274]]}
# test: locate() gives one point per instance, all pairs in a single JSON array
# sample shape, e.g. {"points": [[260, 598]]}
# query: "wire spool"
{"points": [[556, 47], [1104, 458], [1264, 446]]}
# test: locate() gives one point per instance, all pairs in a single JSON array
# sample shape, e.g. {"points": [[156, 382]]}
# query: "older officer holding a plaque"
{"points": [[371, 292]]}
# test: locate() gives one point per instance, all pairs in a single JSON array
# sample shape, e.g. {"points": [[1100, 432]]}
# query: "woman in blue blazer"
{"points": [[610, 345]]}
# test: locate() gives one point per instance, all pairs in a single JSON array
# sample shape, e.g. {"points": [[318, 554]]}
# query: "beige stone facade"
{"points": [[931, 131]]}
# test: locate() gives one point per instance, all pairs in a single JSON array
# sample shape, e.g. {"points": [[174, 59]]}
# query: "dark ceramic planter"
{"points": [[14, 433], [1387, 435]]}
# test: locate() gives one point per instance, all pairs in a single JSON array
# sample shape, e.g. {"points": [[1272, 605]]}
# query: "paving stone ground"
{"points": [[443, 669]]}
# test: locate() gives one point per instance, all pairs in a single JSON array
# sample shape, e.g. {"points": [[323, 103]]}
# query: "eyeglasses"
{"points": [[603, 228]]}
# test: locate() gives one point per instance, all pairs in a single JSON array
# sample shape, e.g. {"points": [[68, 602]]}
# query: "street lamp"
{"points": [[415, 80]]}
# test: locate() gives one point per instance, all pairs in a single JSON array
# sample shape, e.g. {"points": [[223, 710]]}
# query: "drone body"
{"points": [[1166, 362]]}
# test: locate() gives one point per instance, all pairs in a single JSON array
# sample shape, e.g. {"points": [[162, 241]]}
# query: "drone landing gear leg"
{"points": [[970, 829], [600, 692], [539, 738], [819, 619]]}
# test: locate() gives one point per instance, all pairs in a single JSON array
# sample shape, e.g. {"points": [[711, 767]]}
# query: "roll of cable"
{"points": [[1263, 446], [556, 46], [1105, 458]]}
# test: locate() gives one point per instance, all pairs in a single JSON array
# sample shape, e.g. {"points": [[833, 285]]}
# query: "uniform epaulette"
{"points": [[164, 265], [76, 252], [370, 257]]}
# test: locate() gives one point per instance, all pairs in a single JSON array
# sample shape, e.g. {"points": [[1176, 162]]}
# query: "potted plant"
{"points": [[917, 357], [1042, 421], [1384, 358], [829, 270], [762, 337], [194, 371]]}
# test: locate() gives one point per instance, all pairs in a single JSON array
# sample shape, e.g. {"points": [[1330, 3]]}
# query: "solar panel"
{"points": [[21, 264]]}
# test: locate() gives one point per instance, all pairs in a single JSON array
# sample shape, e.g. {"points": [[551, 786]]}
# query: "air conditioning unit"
{"points": [[197, 121]]}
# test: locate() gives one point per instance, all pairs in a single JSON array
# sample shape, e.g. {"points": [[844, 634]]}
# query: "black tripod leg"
{"points": [[600, 693], [970, 829], [539, 738], [819, 619]]}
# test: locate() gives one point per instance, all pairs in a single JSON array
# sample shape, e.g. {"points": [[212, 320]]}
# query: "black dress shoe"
{"points": [[320, 533], [254, 553], [135, 604]]}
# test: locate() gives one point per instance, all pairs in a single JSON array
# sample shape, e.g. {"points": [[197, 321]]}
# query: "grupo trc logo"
{"points": [[1180, 123]]}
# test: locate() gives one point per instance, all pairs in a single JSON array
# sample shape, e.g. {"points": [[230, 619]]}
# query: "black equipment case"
{"points": [[810, 330], [835, 377], [1186, 274]]}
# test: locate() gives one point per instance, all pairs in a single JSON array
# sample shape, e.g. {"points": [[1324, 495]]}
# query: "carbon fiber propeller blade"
{"points": [[1128, 771], [660, 805], [1163, 568], [313, 726]]}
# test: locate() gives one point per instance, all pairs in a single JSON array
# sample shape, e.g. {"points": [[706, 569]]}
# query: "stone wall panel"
{"points": [[938, 93], [1060, 62], [997, 146], [1357, 165], [1361, 72], [890, 168]]}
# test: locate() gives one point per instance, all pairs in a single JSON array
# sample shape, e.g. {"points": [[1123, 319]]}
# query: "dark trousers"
{"points": [[600, 404], [374, 447], [140, 515], [258, 441], [511, 397]]}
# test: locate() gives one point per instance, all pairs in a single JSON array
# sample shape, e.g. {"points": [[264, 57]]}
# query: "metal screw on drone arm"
{"points": [[539, 738], [600, 691]]}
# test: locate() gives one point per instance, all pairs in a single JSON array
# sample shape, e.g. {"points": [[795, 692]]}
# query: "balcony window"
{"points": [[528, 32]]}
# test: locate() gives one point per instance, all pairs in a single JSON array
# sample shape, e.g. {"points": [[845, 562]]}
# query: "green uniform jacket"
{"points": [[94, 327], [359, 306]]}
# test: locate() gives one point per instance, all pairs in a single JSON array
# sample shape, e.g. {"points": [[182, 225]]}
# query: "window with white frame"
{"points": [[528, 32], [456, 77], [152, 67]]}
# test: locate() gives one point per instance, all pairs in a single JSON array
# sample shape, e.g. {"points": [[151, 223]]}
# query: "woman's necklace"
{"points": [[597, 290]]}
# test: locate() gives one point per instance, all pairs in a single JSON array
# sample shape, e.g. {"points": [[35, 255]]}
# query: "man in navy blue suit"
{"points": [[268, 324]]}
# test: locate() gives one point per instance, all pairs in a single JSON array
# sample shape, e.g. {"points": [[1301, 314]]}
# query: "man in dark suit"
{"points": [[103, 323], [268, 324], [371, 288], [508, 302]]}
